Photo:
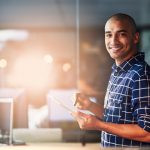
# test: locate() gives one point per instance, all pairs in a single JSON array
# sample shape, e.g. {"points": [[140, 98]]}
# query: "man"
{"points": [[125, 119]]}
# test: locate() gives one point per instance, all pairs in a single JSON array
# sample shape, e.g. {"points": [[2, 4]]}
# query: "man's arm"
{"points": [[128, 131]]}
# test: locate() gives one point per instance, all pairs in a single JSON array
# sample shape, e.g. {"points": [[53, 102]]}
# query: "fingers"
{"points": [[81, 118], [86, 121], [77, 101], [82, 101], [81, 96], [79, 105], [77, 98]]}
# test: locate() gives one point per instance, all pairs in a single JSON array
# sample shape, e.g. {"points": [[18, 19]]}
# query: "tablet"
{"points": [[66, 107], [62, 104]]}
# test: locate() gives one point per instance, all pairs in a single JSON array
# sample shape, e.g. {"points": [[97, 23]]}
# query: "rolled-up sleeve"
{"points": [[141, 101]]}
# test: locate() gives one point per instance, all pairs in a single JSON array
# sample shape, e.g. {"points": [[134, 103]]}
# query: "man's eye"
{"points": [[123, 34], [108, 35]]}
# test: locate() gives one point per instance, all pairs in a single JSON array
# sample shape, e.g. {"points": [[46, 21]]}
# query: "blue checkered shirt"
{"points": [[128, 99]]}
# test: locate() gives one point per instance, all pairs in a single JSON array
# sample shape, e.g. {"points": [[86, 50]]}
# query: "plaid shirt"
{"points": [[128, 99]]}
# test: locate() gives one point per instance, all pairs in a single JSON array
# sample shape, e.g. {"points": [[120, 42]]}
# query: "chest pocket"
{"points": [[115, 99], [114, 108]]}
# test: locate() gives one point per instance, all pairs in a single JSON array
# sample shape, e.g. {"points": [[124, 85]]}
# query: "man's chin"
{"points": [[113, 56]]}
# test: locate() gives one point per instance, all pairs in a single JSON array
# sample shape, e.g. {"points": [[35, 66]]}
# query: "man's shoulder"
{"points": [[140, 69]]}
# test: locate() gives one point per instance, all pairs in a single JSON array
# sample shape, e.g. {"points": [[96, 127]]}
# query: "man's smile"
{"points": [[115, 48]]}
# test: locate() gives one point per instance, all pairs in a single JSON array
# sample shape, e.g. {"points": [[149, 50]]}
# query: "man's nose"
{"points": [[114, 39]]}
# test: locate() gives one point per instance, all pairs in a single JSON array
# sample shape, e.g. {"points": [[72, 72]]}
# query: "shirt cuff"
{"points": [[144, 122]]}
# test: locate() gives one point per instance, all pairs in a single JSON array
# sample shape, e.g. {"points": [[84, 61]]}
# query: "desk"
{"points": [[53, 146], [64, 146]]}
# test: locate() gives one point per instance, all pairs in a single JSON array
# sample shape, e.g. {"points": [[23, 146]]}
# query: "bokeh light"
{"points": [[3, 63]]}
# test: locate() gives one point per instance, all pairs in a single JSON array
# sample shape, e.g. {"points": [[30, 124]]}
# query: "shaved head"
{"points": [[125, 17]]}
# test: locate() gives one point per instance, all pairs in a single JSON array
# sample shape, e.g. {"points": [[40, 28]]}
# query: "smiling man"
{"points": [[121, 38], [125, 118]]}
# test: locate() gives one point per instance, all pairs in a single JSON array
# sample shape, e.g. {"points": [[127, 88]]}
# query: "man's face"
{"points": [[120, 40]]}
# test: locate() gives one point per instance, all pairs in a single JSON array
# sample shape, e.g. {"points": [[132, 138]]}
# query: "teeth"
{"points": [[115, 48]]}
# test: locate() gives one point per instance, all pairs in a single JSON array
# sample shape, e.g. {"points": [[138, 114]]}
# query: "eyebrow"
{"points": [[117, 31]]}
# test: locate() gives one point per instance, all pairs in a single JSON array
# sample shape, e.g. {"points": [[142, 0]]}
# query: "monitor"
{"points": [[6, 120]]}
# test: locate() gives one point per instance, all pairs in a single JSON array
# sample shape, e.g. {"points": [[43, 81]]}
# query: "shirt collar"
{"points": [[125, 66]]}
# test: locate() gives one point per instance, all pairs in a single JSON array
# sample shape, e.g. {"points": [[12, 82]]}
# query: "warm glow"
{"points": [[3, 63], [66, 67], [30, 71], [48, 59]]}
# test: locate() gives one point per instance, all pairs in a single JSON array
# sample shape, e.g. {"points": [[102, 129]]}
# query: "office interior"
{"points": [[54, 49]]}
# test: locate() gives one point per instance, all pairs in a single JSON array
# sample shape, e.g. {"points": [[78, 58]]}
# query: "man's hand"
{"points": [[82, 101], [128, 131], [86, 121]]}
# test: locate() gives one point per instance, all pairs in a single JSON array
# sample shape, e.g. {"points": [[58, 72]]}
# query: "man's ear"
{"points": [[136, 37]]}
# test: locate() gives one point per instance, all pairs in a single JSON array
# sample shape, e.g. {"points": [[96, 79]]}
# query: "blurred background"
{"points": [[56, 47]]}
